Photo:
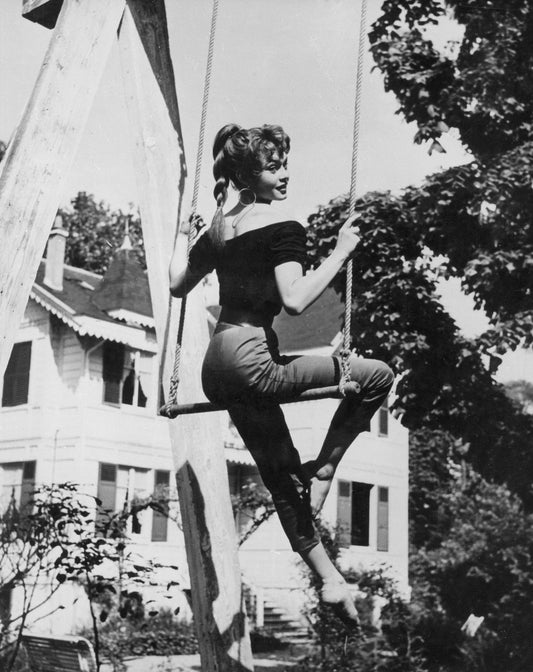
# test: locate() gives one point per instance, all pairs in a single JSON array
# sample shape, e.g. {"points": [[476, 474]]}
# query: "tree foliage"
{"points": [[521, 391], [482, 565], [471, 538], [474, 222], [446, 380], [483, 89], [472, 555], [96, 232], [33, 540], [387, 641], [471, 89]]}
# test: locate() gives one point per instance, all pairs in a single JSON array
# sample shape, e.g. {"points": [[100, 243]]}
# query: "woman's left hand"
{"points": [[348, 237]]}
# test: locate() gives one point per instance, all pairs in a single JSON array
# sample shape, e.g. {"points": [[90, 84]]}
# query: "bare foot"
{"points": [[320, 483]]}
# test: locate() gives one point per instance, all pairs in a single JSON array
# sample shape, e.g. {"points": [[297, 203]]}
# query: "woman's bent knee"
{"points": [[371, 373], [385, 374]]}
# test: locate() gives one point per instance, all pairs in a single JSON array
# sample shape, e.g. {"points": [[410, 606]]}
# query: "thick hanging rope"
{"points": [[346, 385], [174, 380]]}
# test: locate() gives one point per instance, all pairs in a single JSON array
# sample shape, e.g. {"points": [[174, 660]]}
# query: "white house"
{"points": [[79, 403]]}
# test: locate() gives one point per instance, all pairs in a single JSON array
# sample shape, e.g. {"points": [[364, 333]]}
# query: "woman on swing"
{"points": [[260, 265]]}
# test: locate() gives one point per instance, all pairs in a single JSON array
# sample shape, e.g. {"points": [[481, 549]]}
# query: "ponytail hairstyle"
{"points": [[240, 155]]}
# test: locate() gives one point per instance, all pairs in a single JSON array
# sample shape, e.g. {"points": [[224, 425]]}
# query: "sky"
{"points": [[289, 62]]}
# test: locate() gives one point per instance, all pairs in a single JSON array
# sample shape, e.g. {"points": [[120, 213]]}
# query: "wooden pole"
{"points": [[201, 472], [43, 148], [44, 12]]}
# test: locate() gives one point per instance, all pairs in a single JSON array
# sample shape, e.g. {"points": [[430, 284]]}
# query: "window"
{"points": [[120, 486], [353, 515], [126, 375], [383, 419], [246, 492], [17, 485], [17, 376], [361, 514]]}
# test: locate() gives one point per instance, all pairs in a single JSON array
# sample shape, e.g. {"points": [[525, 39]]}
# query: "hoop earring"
{"points": [[244, 196]]}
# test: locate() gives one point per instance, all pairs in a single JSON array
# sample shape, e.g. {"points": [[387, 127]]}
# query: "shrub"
{"points": [[159, 635], [388, 644]]}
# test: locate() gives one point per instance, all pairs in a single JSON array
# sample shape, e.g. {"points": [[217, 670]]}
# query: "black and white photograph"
{"points": [[266, 336]]}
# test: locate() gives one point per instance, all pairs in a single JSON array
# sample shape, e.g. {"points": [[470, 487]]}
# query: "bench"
{"points": [[59, 654]]}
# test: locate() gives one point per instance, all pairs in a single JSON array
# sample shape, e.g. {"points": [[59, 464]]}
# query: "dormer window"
{"points": [[125, 374]]}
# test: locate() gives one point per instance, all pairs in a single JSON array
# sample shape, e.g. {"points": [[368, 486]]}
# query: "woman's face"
{"points": [[271, 183]]}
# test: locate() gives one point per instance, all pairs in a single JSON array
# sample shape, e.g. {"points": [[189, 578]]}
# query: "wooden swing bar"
{"points": [[173, 410]]}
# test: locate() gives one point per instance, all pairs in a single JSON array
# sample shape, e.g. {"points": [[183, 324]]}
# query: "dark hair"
{"points": [[240, 154]]}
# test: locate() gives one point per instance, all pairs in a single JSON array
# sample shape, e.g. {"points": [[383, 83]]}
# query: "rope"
{"points": [[346, 384], [174, 379]]}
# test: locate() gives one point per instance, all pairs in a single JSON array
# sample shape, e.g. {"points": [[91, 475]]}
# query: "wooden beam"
{"points": [[158, 161], [201, 471], [151, 22], [45, 12], [331, 392], [201, 476], [43, 147]]}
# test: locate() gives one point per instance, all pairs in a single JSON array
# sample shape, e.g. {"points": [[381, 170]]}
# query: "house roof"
{"points": [[87, 301], [316, 327], [124, 285], [77, 292]]}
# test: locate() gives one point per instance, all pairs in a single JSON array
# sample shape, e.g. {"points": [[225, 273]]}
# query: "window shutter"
{"points": [[28, 487], [344, 513], [106, 493], [17, 376], [383, 519], [383, 419], [160, 518]]}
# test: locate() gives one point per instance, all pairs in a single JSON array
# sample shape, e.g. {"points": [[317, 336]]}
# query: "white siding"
{"points": [[71, 356]]}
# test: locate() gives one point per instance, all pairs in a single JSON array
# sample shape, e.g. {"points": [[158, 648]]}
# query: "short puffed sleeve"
{"points": [[288, 243], [202, 256]]}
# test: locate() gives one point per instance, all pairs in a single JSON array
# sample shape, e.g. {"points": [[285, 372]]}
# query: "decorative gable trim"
{"points": [[134, 337], [130, 316], [50, 301]]}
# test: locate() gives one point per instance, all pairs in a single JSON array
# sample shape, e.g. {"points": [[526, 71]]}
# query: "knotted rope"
{"points": [[346, 385], [193, 220]]}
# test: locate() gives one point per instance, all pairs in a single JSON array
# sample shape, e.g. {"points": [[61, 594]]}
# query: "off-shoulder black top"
{"points": [[245, 265]]}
